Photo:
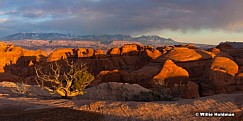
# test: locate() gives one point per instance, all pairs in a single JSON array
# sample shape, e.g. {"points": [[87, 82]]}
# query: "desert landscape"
{"points": [[133, 82], [121, 60]]}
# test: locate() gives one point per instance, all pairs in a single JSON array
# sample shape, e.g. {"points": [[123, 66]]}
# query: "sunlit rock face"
{"points": [[10, 54], [225, 65], [214, 50], [130, 49], [170, 75], [182, 54], [198, 71], [64, 53], [220, 78]]}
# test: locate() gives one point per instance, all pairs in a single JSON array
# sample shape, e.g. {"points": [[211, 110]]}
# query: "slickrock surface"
{"points": [[39, 106], [20, 108], [117, 91], [183, 54]]}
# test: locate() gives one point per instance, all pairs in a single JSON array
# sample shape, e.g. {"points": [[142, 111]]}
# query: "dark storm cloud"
{"points": [[119, 16]]}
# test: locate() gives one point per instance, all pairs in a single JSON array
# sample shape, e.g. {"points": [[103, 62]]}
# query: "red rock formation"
{"points": [[9, 77], [170, 75], [130, 49], [114, 51], [112, 76], [64, 53], [117, 91], [191, 91], [220, 78], [225, 65], [182, 54], [169, 66], [153, 54], [196, 69], [98, 53], [10, 54], [164, 49], [224, 46], [239, 81], [214, 50], [143, 75], [189, 46]]}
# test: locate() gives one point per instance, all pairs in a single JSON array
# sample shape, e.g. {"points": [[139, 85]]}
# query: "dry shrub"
{"points": [[21, 89], [68, 84]]}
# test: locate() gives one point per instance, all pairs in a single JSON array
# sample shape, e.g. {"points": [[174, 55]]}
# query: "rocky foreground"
{"points": [[39, 105]]}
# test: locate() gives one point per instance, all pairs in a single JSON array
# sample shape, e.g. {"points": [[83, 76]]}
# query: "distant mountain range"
{"points": [[102, 38]]}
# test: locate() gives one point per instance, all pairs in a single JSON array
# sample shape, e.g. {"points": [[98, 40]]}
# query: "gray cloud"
{"points": [[119, 16]]}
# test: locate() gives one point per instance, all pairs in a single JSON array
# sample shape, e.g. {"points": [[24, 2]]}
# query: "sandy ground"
{"points": [[43, 108]]}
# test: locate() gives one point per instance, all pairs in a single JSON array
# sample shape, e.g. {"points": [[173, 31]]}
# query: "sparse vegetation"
{"points": [[21, 89], [161, 93], [165, 93], [67, 84], [169, 94]]}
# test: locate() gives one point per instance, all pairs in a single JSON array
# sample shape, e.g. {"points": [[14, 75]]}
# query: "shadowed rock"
{"points": [[117, 91], [220, 77]]}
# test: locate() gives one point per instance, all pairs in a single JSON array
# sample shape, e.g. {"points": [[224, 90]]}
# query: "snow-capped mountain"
{"points": [[38, 36], [102, 38]]}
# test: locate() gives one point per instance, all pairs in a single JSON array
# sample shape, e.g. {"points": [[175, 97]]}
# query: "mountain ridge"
{"points": [[103, 38]]}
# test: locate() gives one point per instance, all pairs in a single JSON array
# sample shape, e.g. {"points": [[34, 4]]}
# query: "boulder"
{"points": [[214, 50], [183, 54], [111, 76], [191, 91], [117, 91], [153, 54], [239, 61], [170, 75], [143, 75], [98, 53], [235, 53], [165, 49], [10, 55], [196, 69], [64, 53], [220, 77], [31, 90], [225, 65], [189, 46], [39, 55], [239, 79], [224, 46], [83, 52], [130, 49], [224, 54], [9, 77], [125, 62], [61, 53], [114, 51]]}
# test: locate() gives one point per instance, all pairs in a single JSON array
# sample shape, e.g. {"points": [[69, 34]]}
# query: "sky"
{"points": [[196, 21]]}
